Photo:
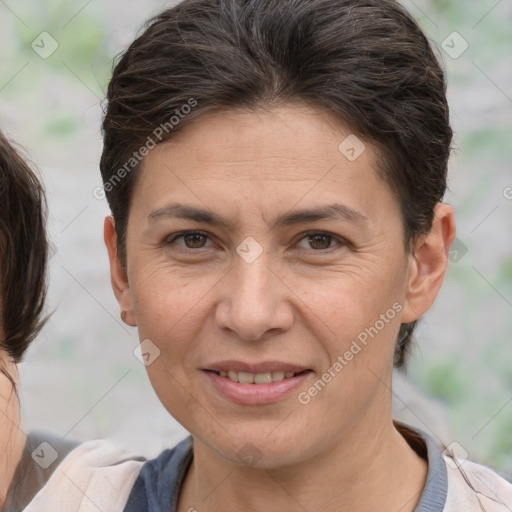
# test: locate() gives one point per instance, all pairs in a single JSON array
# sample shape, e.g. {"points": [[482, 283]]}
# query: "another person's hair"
{"points": [[366, 61], [23, 252]]}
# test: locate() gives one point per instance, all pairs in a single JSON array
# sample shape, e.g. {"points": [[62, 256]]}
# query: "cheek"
{"points": [[169, 307], [356, 322], [163, 295], [355, 315], [350, 299]]}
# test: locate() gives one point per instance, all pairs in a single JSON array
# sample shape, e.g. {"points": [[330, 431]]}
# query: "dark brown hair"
{"points": [[367, 61], [23, 252]]}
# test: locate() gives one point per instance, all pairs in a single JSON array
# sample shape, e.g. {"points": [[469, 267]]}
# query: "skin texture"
{"points": [[302, 301], [12, 439]]}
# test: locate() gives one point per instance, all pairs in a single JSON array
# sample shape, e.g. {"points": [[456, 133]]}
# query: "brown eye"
{"points": [[319, 241], [194, 240], [188, 240]]}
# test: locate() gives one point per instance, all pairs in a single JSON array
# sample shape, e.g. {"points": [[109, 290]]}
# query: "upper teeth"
{"points": [[256, 378]]}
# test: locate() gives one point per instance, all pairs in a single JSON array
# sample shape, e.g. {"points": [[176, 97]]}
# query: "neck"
{"points": [[12, 439], [369, 469]]}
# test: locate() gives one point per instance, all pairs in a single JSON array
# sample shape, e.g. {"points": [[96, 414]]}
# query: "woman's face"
{"points": [[292, 260]]}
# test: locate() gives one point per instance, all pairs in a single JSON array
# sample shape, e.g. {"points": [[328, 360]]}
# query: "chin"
{"points": [[256, 449]]}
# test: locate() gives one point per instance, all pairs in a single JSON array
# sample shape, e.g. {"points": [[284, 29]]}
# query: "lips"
{"points": [[255, 384]]}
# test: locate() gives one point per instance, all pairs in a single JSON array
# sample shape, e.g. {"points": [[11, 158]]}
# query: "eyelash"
{"points": [[341, 241]]}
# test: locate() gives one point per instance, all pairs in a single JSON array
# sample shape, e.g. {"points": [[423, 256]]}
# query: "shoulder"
{"points": [[94, 475], [160, 479], [473, 486], [41, 455], [454, 484]]}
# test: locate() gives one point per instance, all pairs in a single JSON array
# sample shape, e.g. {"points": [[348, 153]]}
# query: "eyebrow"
{"points": [[334, 211]]}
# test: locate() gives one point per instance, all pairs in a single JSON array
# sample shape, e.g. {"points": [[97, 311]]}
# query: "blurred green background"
{"points": [[81, 378]]}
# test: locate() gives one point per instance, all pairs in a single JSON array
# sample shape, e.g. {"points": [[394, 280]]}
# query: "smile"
{"points": [[255, 384], [256, 378]]}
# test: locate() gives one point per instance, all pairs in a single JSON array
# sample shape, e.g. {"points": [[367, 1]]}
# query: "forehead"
{"points": [[270, 158], [296, 135]]}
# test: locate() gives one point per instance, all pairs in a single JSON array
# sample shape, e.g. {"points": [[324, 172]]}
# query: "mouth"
{"points": [[257, 378], [256, 384]]}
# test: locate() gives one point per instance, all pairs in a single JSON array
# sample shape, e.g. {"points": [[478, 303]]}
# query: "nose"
{"points": [[254, 301]]}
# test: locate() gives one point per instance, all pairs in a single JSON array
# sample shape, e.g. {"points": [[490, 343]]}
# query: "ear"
{"points": [[428, 264], [118, 276]]}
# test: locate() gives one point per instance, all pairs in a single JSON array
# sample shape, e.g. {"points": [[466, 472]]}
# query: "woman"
{"points": [[23, 254], [275, 171], [28, 462]]}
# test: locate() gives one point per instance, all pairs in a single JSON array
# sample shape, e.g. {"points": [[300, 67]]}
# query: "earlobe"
{"points": [[118, 276], [428, 264]]}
